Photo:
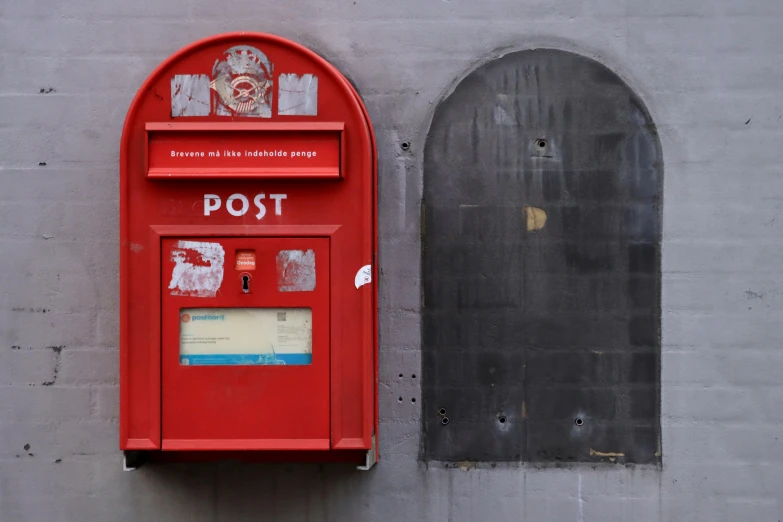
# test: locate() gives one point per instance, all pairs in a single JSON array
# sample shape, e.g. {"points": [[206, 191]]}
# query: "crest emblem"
{"points": [[242, 83]]}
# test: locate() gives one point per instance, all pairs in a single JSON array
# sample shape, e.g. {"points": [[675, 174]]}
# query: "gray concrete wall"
{"points": [[711, 73]]}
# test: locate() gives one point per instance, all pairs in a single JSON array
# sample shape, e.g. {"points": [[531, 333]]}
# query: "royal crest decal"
{"points": [[242, 83]]}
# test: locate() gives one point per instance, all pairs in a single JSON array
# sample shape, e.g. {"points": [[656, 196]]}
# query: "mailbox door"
{"points": [[245, 343]]}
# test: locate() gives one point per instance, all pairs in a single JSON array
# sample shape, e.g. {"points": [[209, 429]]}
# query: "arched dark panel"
{"points": [[543, 181]]}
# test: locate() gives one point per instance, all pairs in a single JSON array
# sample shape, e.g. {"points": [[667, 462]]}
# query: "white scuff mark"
{"points": [[502, 117], [297, 95], [504, 108], [363, 276], [296, 271], [581, 514], [198, 268], [189, 95]]}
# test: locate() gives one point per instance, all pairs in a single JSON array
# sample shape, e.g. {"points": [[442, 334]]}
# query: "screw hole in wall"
{"points": [[405, 145], [578, 421], [502, 419], [444, 421], [400, 376], [541, 143], [399, 399], [413, 376], [442, 411], [413, 399]]}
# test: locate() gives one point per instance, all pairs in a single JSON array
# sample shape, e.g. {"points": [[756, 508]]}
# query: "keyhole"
{"points": [[246, 283]]}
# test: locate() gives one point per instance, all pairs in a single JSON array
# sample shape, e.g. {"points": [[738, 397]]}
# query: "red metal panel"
{"points": [[199, 205], [262, 403], [320, 456], [143, 444], [370, 406], [246, 444]]}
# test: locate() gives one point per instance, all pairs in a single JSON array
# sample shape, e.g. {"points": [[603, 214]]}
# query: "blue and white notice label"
{"points": [[246, 336]]}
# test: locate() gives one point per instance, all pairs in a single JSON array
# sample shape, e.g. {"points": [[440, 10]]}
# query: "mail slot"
{"points": [[247, 258]]}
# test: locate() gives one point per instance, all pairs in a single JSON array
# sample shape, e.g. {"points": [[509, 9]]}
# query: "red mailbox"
{"points": [[247, 262]]}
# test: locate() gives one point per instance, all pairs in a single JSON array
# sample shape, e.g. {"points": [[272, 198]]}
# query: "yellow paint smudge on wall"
{"points": [[610, 454], [536, 218]]}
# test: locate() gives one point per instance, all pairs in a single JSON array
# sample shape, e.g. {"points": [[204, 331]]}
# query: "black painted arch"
{"points": [[543, 344]]}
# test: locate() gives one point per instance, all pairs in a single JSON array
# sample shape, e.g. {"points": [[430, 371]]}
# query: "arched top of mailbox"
{"points": [[245, 77], [253, 84]]}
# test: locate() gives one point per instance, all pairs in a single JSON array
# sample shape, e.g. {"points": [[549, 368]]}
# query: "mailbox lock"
{"points": [[245, 278]]}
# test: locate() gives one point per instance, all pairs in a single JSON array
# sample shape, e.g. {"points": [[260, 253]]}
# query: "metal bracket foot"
{"points": [[133, 460], [370, 458]]}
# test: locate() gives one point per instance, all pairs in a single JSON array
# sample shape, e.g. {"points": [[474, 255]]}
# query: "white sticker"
{"points": [[295, 271], [189, 95], [198, 268], [363, 276], [297, 95]]}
